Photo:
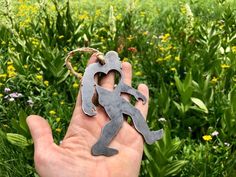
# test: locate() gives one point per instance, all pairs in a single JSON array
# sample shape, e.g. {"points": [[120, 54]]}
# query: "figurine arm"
{"points": [[130, 90]]}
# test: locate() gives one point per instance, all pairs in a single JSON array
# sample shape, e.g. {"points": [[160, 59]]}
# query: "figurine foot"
{"points": [[153, 136], [102, 150]]}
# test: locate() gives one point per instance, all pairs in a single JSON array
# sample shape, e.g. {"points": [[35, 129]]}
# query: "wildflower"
{"points": [[162, 49], [162, 119], [132, 49], [39, 77], [52, 112], [30, 102], [26, 66], [226, 144], [224, 66], [130, 37], [119, 17], [125, 59], [46, 83], [177, 58], [164, 38], [58, 130], [167, 57], [75, 68], [6, 90], [233, 49], [62, 102], [11, 70], [183, 10], [190, 129], [3, 76], [11, 99], [15, 95], [142, 14], [75, 85], [215, 133], [1, 95], [145, 33], [173, 69], [138, 73], [58, 119], [214, 80], [207, 137], [159, 60]]}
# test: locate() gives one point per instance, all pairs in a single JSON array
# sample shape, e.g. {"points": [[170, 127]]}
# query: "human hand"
{"points": [[72, 158]]}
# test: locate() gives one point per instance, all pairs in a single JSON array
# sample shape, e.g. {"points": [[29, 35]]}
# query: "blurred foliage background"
{"points": [[185, 51]]}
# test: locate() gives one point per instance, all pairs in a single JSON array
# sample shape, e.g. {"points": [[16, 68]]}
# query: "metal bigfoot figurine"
{"points": [[114, 105]]}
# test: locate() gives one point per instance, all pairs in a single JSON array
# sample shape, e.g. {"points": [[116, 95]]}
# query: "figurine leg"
{"points": [[140, 124], [108, 133]]}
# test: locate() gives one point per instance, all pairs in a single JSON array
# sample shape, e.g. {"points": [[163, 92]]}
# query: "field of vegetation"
{"points": [[185, 51]]}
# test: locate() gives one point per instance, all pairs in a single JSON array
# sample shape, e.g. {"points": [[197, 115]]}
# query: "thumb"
{"points": [[40, 131]]}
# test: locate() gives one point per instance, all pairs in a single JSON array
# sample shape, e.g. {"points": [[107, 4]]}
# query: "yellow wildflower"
{"points": [[26, 66], [46, 83], [167, 57], [233, 49], [62, 102], [119, 17], [58, 119], [224, 66], [39, 77], [1, 95], [11, 70], [138, 73], [75, 68], [207, 137], [214, 80], [58, 130], [165, 37], [3, 76], [177, 58], [75, 85], [183, 9], [142, 14], [145, 33], [125, 59], [159, 60], [130, 37], [52, 112], [173, 69]]}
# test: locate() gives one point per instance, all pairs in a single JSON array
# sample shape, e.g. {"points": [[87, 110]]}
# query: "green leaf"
{"points": [[22, 118], [174, 167], [179, 85], [200, 104]]}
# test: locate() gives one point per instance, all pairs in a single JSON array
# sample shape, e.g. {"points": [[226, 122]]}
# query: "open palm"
{"points": [[72, 158]]}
